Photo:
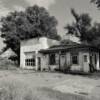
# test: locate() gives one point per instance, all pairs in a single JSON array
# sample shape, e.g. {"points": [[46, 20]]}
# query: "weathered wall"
{"points": [[31, 46], [34, 45], [81, 66], [95, 64], [56, 66]]}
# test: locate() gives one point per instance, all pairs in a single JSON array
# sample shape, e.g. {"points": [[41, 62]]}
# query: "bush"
{"points": [[7, 64]]}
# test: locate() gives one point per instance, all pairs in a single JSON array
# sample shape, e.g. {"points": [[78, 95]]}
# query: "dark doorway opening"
{"points": [[39, 63]]}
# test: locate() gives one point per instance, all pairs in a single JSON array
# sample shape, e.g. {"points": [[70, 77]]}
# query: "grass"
{"points": [[18, 91], [29, 85]]}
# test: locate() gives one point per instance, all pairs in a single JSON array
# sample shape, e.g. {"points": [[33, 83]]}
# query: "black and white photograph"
{"points": [[49, 49]]}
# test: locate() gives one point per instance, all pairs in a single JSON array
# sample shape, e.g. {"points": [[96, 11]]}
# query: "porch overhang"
{"points": [[74, 48], [59, 48]]}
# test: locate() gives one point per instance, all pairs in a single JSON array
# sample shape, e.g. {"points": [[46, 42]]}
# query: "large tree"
{"points": [[83, 28], [33, 22], [97, 2], [97, 25]]}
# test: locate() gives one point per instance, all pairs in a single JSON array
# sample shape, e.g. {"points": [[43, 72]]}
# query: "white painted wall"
{"points": [[34, 45], [98, 62]]}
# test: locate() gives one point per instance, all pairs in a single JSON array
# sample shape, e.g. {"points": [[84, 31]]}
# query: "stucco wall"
{"points": [[96, 65], [81, 66], [65, 62], [76, 67], [33, 45], [68, 58]]}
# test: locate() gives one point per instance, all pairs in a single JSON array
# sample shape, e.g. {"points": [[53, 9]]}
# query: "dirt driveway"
{"points": [[64, 83]]}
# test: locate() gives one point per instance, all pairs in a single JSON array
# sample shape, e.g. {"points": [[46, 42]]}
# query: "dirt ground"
{"points": [[88, 86]]}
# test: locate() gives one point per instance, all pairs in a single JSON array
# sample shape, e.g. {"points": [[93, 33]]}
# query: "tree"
{"points": [[82, 27], [97, 2], [33, 22], [97, 25]]}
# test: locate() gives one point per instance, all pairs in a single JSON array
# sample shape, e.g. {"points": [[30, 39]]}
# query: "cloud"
{"points": [[44, 3], [19, 8], [7, 6], [11, 5], [3, 11]]}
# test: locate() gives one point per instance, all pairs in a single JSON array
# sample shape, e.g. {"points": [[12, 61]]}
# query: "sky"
{"points": [[58, 8]]}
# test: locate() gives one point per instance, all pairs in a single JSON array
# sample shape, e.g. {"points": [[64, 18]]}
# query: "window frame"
{"points": [[85, 58], [30, 62], [73, 61], [30, 59], [52, 60]]}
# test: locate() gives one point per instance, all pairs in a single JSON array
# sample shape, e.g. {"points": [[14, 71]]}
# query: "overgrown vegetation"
{"points": [[84, 29], [6, 64]]}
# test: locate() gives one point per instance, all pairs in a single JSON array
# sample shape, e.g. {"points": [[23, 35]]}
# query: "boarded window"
{"points": [[52, 60]]}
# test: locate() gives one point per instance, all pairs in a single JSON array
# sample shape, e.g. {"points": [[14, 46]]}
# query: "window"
{"points": [[52, 60], [30, 59], [74, 59], [63, 52], [30, 62], [85, 58]]}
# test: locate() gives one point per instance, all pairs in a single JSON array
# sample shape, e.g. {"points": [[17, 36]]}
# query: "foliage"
{"points": [[6, 64], [33, 22], [97, 25], [84, 29], [97, 2]]}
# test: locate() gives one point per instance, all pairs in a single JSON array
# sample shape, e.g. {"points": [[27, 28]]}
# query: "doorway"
{"points": [[62, 61], [39, 63], [85, 61]]}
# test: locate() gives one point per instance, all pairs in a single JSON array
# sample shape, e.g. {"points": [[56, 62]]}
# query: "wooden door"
{"points": [[62, 61]]}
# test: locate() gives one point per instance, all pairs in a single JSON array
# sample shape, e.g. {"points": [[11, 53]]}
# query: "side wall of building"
{"points": [[30, 47]]}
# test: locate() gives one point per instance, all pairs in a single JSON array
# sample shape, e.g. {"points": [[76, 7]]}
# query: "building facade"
{"points": [[47, 54]]}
